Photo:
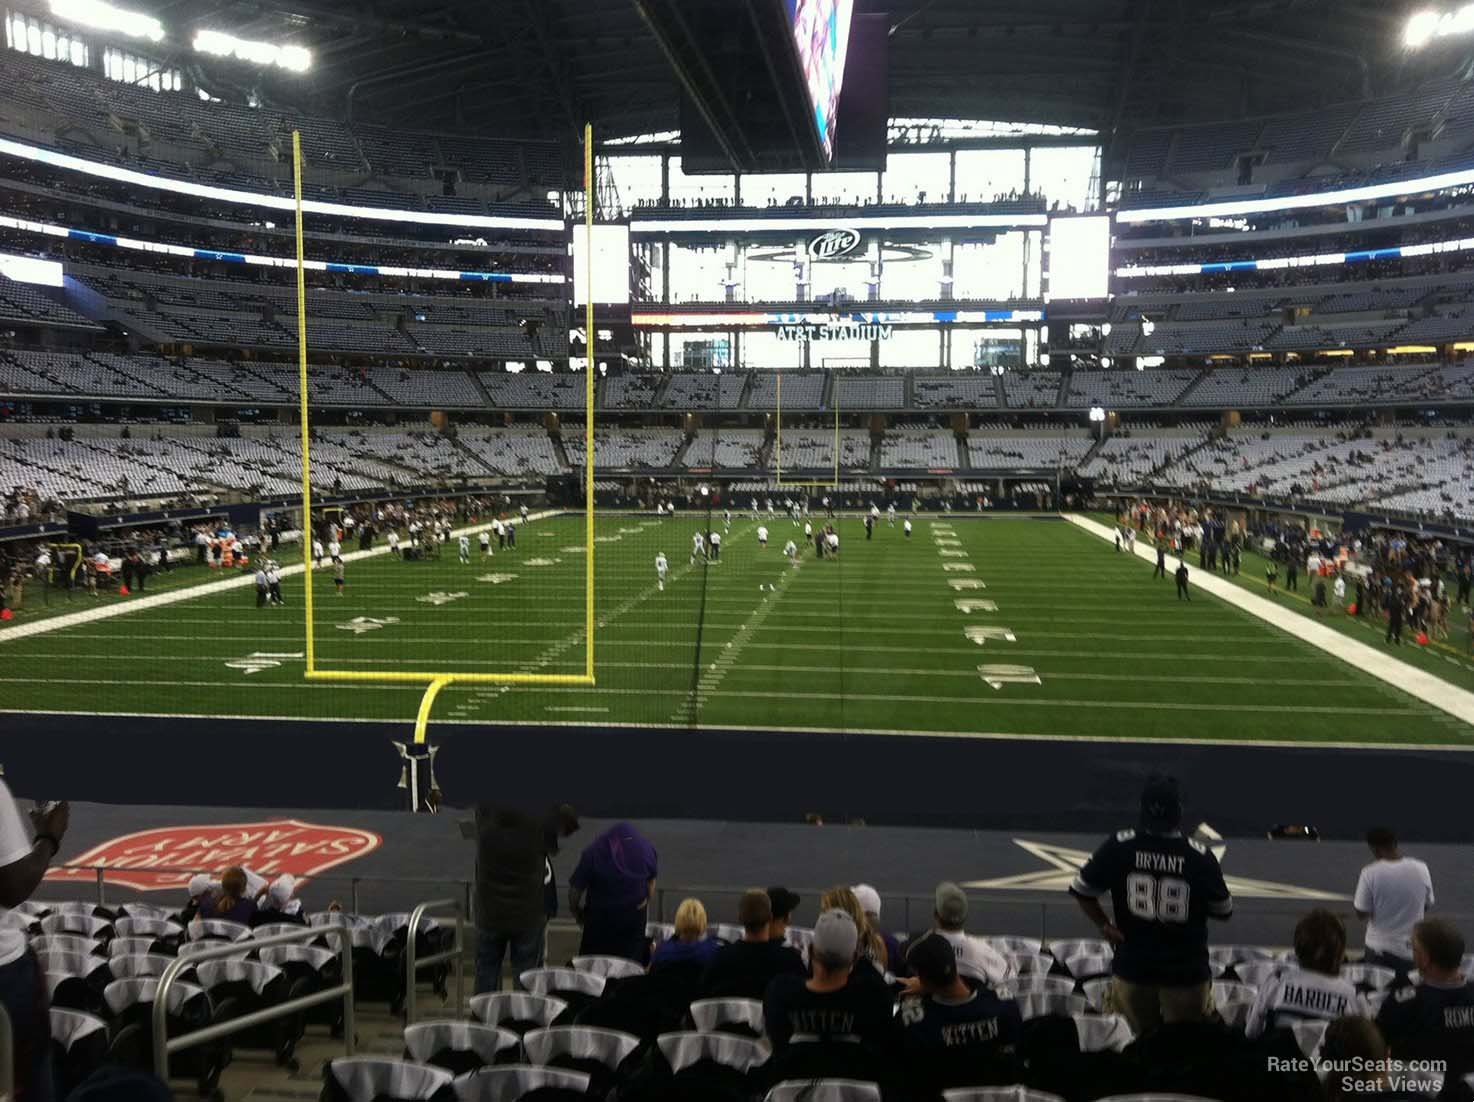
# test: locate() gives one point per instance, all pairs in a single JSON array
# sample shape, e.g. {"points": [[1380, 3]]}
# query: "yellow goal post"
{"points": [[435, 681]]}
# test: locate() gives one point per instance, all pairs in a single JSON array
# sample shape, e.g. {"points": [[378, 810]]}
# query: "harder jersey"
{"points": [[1163, 887], [1431, 1022]]}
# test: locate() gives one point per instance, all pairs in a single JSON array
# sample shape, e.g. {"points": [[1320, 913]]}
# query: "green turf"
{"points": [[872, 641]]}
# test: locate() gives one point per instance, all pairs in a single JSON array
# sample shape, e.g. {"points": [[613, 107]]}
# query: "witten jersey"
{"points": [[1163, 887], [660, 565]]}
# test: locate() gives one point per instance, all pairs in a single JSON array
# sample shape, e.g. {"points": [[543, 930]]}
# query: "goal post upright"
{"points": [[435, 682], [302, 409], [778, 445]]}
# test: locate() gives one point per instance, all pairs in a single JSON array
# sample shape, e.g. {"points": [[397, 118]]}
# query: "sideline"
{"points": [[1457, 702], [117, 606]]}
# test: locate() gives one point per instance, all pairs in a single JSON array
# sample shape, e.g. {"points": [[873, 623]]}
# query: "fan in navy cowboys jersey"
{"points": [[958, 1033], [1434, 1020], [1163, 887]]}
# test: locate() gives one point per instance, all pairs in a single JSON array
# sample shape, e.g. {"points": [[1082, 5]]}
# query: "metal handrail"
{"points": [[412, 963], [164, 1045]]}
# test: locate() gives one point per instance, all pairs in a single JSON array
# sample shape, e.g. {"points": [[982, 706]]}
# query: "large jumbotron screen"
{"points": [[821, 33]]}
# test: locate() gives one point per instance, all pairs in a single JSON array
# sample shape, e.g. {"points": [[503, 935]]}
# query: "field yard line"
{"points": [[551, 659], [887, 698], [1449, 698], [981, 736], [117, 607], [684, 644]]}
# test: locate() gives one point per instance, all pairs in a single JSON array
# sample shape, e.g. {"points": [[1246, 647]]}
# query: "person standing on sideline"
{"points": [[261, 586], [1292, 571], [1181, 576], [1339, 590], [1271, 575], [1394, 615], [24, 855], [609, 893], [1163, 887], [512, 851], [1161, 570], [1392, 894], [869, 526]]}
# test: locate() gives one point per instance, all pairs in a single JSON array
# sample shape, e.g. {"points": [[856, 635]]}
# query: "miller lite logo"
{"points": [[268, 848], [833, 244]]}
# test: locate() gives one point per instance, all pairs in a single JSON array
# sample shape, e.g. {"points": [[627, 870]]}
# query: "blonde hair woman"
{"points": [[689, 945], [871, 945]]}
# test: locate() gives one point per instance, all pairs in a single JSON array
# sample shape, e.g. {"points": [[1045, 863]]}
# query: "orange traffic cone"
{"points": [[6, 614], [1351, 609], [1422, 638], [122, 591]]}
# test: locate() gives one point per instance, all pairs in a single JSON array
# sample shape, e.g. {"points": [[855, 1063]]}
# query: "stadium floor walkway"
{"points": [[1019, 879], [1424, 686]]}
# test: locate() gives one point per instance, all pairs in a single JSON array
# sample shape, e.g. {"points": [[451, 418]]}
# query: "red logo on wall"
{"points": [[143, 860]]}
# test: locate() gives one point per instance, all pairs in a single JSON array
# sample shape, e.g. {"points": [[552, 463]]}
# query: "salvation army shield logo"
{"points": [[166, 857]]}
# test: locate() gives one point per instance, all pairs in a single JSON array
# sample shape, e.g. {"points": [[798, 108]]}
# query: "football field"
{"points": [[998, 626]]}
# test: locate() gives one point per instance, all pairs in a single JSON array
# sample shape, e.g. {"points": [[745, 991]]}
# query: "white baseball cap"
{"points": [[869, 899]]}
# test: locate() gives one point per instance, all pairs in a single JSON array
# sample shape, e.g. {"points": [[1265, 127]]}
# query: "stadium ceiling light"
{"points": [[104, 17], [1424, 26], [295, 59]]}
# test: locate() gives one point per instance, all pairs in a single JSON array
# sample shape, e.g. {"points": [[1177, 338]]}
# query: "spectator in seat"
{"points": [[1434, 1020], [872, 948], [869, 900], [744, 969], [1163, 888], [201, 889], [689, 944], [976, 959], [1313, 989], [1392, 895], [233, 903], [1354, 1046], [278, 903], [512, 877], [784, 904], [955, 1033], [24, 856], [828, 1007], [609, 893]]}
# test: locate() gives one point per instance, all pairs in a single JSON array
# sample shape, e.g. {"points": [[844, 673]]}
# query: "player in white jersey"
{"points": [[906, 527], [794, 512], [714, 543], [393, 542], [727, 521], [874, 511], [317, 553], [754, 508], [698, 546], [762, 535], [770, 507], [790, 549], [486, 550], [465, 548], [890, 514], [661, 569], [335, 550], [833, 540], [808, 531]]}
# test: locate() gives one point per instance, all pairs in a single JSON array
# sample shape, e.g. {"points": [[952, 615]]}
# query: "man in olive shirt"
{"points": [[744, 969]]}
